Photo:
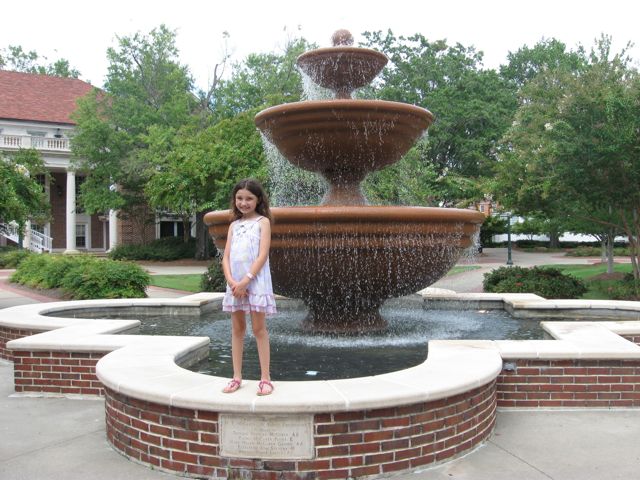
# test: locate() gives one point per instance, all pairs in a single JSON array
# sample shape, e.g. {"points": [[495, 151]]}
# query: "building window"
{"points": [[172, 229], [81, 235]]}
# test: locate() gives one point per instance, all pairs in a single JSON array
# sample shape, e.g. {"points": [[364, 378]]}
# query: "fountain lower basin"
{"points": [[344, 262]]}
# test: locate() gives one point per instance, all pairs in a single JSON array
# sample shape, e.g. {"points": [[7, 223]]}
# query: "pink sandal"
{"points": [[261, 388], [232, 386]]}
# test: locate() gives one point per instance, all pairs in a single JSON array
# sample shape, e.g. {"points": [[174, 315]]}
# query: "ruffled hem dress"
{"points": [[245, 246]]}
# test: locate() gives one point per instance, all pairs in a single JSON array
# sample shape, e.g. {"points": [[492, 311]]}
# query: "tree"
{"points": [[595, 142], [473, 107], [194, 170], [16, 59], [523, 179], [572, 151], [23, 197], [146, 88], [260, 80]]}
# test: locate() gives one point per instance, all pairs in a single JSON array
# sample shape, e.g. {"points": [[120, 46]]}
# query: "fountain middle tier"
{"points": [[343, 140], [344, 262]]}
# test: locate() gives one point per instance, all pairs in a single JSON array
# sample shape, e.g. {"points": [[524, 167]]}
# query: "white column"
{"points": [[71, 213], [113, 229], [26, 241]]}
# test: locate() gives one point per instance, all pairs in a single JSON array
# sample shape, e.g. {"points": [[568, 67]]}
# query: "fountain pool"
{"points": [[297, 355]]}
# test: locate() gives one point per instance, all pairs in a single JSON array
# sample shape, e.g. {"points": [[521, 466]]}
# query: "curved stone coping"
{"points": [[521, 302], [38, 316], [144, 367], [448, 371]]}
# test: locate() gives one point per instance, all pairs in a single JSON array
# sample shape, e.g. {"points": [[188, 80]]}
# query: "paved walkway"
{"points": [[59, 438]]}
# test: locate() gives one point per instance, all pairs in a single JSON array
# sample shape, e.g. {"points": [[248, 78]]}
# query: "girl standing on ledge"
{"points": [[246, 268]]}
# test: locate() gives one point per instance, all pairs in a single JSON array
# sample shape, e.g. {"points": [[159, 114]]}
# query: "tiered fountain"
{"points": [[344, 258]]}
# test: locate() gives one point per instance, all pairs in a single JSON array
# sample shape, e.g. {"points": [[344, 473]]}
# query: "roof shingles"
{"points": [[39, 98]]}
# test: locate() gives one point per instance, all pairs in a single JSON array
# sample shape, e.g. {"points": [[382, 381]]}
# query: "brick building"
{"points": [[35, 112]]}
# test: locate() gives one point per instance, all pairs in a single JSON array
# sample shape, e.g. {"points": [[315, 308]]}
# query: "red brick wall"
{"points": [[570, 383], [8, 334], [57, 372], [346, 444]]}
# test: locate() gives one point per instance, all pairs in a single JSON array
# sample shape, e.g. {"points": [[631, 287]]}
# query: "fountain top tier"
{"points": [[343, 139], [342, 68]]}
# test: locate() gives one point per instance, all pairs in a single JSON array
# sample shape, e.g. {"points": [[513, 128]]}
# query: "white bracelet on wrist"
{"points": [[250, 275]]}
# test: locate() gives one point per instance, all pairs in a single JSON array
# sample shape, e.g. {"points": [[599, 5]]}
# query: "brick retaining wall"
{"points": [[64, 373], [357, 443], [570, 383], [7, 334]]}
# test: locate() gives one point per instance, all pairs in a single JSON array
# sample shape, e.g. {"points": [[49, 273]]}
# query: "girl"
{"points": [[246, 268]]}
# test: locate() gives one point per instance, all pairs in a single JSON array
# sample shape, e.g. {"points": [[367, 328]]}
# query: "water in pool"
{"points": [[299, 355]]}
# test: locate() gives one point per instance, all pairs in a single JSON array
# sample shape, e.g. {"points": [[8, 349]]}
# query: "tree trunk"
{"points": [[610, 238], [554, 239], [203, 244], [186, 229], [603, 249]]}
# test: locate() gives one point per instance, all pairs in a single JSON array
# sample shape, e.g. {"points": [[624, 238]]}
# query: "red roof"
{"points": [[39, 98]]}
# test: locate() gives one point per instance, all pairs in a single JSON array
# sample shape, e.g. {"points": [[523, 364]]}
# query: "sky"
{"points": [[81, 31]]}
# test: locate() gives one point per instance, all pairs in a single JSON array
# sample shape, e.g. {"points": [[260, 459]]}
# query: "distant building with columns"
{"points": [[35, 112]]}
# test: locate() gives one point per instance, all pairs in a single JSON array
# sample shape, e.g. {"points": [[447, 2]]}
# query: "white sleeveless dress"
{"points": [[245, 246]]}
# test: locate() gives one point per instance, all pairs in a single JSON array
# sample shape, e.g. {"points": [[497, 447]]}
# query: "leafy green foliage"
{"points": [[16, 59], [162, 249], [82, 276], [106, 279], [473, 107], [626, 289], [23, 197], [145, 87], [544, 281], [13, 257], [213, 279]]}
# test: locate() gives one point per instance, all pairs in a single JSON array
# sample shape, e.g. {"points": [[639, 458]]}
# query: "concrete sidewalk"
{"points": [[60, 438]]}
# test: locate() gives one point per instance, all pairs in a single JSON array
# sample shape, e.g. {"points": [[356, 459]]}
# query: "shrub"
{"points": [[105, 279], [627, 289], [83, 276], [163, 249], [595, 252], [12, 257], [544, 281], [213, 279]]}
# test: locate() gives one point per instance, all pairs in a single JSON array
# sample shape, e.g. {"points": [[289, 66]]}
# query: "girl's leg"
{"points": [[259, 326], [238, 330]]}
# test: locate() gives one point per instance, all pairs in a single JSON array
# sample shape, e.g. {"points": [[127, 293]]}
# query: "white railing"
{"points": [[10, 231], [38, 241], [39, 143]]}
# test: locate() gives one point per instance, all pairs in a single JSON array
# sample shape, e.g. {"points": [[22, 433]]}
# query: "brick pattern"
{"points": [[570, 383], [7, 334], [347, 444], [57, 372]]}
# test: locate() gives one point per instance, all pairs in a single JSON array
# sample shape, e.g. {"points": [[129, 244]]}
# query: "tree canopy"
{"points": [[16, 59]]}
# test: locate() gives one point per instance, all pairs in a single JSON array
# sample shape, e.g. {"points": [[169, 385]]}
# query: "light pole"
{"points": [[507, 217], [509, 259]]}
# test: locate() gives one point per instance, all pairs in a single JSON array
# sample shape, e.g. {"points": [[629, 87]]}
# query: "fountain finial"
{"points": [[341, 37]]}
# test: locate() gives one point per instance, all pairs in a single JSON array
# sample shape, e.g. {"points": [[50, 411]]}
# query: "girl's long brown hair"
{"points": [[255, 187]]}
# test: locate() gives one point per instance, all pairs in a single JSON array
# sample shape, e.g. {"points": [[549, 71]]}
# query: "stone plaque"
{"points": [[266, 436]]}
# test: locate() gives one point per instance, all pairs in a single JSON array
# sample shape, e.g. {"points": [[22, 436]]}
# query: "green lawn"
{"points": [[597, 288], [462, 268], [187, 283]]}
